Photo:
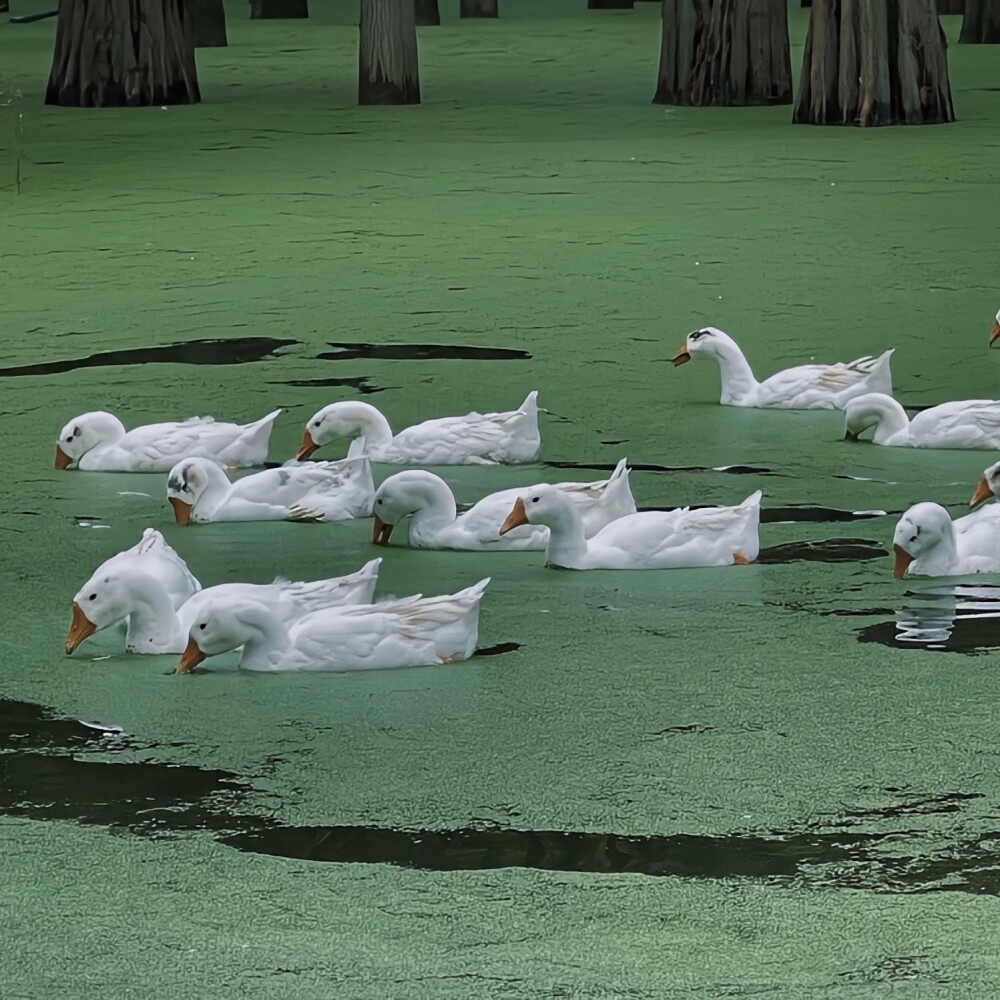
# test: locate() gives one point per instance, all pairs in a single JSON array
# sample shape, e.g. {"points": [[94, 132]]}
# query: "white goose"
{"points": [[806, 387], [475, 439], [962, 423], [710, 536], [129, 592], [435, 524], [927, 542], [995, 332], [409, 633], [988, 486], [200, 491], [98, 441]]}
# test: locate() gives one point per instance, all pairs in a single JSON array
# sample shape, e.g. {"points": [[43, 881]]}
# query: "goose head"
{"points": [[333, 421], [920, 528], [989, 485], [85, 432], [995, 332], [188, 481], [219, 627], [543, 505], [102, 601], [705, 342], [407, 493]]}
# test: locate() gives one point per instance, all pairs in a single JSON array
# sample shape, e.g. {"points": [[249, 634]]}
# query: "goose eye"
{"points": [[379, 500], [93, 597], [69, 439], [316, 423], [535, 499], [202, 626]]}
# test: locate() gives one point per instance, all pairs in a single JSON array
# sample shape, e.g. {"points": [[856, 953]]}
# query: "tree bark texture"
{"points": [[123, 53], [874, 62], [981, 24], [278, 9], [950, 6], [209, 24], [609, 4], [388, 71], [478, 8], [724, 52], [426, 12]]}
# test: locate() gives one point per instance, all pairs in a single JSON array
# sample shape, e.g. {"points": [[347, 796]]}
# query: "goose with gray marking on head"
{"points": [[805, 387], [927, 542], [98, 442]]}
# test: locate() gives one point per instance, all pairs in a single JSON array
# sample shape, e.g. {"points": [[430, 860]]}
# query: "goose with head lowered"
{"points": [[199, 491], [805, 387], [128, 592], [474, 439], [683, 538], [435, 523], [412, 632], [926, 542], [960, 424], [98, 442]]}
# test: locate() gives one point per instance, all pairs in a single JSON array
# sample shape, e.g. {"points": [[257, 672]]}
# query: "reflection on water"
{"points": [[347, 351], [953, 618]]}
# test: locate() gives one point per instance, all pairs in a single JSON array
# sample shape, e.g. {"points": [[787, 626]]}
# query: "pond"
{"points": [[776, 779]]}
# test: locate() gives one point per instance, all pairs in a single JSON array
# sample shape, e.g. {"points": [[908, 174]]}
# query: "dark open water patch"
{"points": [[960, 618], [347, 351], [497, 649], [46, 776], [734, 470], [229, 351], [829, 550], [360, 384]]}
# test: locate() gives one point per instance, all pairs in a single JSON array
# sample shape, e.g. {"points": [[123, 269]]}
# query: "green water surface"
{"points": [[535, 201]]}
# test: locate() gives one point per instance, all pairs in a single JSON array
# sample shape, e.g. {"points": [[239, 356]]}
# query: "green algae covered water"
{"points": [[778, 780]]}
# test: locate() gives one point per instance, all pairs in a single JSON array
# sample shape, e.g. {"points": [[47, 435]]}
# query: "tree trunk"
{"points": [[278, 9], [118, 53], [724, 52], [209, 24], [609, 4], [950, 6], [426, 12], [981, 24], [478, 8], [874, 62], [388, 71]]}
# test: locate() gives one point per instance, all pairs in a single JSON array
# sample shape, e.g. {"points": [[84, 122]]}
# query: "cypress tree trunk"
{"points": [[116, 53], [874, 62], [609, 4], [388, 71], [950, 6], [724, 52], [478, 8], [981, 24], [278, 9], [426, 12], [209, 24]]}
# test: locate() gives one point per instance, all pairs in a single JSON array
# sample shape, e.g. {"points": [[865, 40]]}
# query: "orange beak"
{"points": [[683, 356], [517, 516], [983, 492], [995, 332], [191, 657], [80, 627], [381, 531], [307, 447], [63, 461], [182, 511], [903, 560]]}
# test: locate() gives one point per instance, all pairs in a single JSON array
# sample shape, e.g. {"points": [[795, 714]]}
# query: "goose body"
{"points": [[199, 491], [962, 423], [805, 387], [926, 542], [711, 536], [127, 592], [98, 441], [435, 524], [995, 332], [474, 439], [408, 633]]}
